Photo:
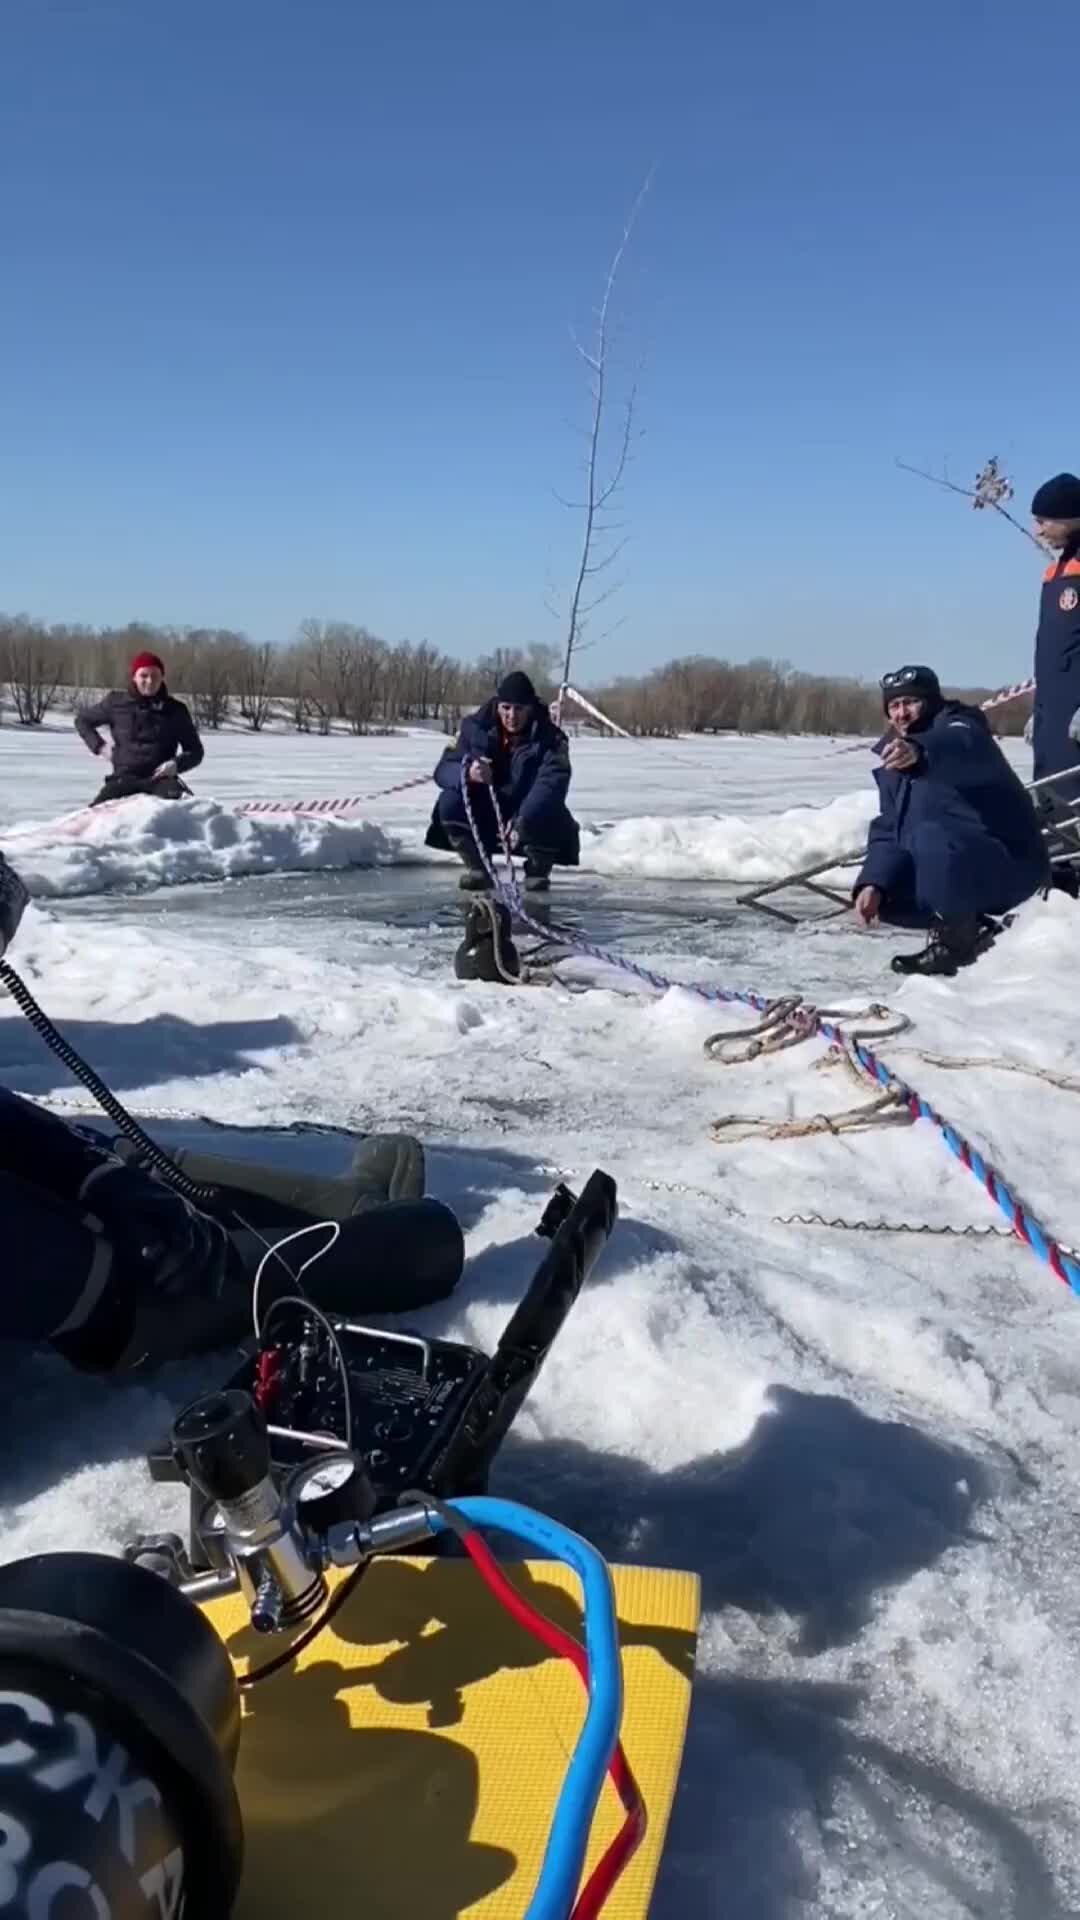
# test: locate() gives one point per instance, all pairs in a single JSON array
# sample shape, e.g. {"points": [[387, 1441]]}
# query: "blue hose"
{"points": [[564, 1855]]}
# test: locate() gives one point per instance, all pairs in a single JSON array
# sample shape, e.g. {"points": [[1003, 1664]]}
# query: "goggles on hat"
{"points": [[903, 677]]}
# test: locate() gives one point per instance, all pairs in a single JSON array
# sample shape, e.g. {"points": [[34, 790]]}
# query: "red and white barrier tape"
{"points": [[1005, 694], [344, 803]]}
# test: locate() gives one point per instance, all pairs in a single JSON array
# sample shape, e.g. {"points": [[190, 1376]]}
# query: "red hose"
{"points": [[626, 1842]]}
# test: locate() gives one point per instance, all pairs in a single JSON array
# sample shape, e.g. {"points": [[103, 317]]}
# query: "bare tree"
{"points": [[368, 681], [210, 671], [254, 683], [601, 486], [34, 665], [991, 490]]}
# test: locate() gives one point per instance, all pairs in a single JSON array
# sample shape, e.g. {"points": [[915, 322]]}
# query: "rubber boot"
{"points": [[538, 865], [475, 878], [395, 1258], [385, 1166]]}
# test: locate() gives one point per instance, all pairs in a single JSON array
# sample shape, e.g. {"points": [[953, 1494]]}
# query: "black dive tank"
{"points": [[119, 1728]]}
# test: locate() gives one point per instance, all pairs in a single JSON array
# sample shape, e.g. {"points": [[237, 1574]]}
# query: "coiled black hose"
{"points": [[106, 1099]]}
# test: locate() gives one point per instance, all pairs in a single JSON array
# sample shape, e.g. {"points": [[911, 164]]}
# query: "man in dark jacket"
{"points": [[1056, 731], [154, 736], [513, 747], [957, 841]]}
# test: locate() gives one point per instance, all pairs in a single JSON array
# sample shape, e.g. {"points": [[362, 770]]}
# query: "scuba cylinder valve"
{"points": [[223, 1448]]}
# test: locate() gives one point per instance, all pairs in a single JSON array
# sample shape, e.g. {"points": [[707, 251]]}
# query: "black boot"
{"points": [[538, 865], [954, 942], [475, 878]]}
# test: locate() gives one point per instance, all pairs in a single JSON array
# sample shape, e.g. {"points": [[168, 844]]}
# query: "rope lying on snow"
{"points": [[889, 1110], [962, 1063], [893, 1226], [1064, 1264], [790, 1020]]}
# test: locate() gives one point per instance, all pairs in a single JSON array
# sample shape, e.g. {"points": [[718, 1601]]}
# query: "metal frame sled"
{"points": [[807, 880], [1059, 817]]}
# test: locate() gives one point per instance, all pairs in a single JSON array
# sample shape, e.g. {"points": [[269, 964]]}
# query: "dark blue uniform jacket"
{"points": [[531, 775], [961, 802], [1057, 670]]}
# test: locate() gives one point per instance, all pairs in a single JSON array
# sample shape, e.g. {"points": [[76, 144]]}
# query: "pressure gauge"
{"points": [[331, 1490]]}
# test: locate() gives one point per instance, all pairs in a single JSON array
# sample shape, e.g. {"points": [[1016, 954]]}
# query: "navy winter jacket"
{"points": [[531, 775], [146, 732], [961, 783], [1057, 669]]}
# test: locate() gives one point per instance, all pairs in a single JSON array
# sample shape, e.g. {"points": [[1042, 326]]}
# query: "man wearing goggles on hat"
{"points": [[957, 842]]}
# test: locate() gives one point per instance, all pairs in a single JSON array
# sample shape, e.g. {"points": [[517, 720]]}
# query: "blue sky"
{"points": [[288, 290]]}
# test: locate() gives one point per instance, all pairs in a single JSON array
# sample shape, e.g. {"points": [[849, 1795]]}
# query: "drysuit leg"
{"points": [[56, 1266], [97, 1246], [171, 1279]]}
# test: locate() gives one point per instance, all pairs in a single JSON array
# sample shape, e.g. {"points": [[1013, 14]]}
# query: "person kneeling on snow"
{"points": [[106, 1263], [513, 747], [154, 736], [957, 842]]}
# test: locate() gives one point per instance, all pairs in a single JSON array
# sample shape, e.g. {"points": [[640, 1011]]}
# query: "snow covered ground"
{"points": [[860, 1433]]}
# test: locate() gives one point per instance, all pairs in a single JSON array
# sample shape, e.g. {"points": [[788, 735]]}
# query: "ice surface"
{"points": [[863, 1436]]}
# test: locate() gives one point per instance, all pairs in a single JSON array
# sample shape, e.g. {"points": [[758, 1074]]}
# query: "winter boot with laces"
{"points": [[954, 942]]}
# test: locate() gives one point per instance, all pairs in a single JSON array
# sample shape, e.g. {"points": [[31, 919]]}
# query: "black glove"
{"points": [[166, 1245], [13, 902], [168, 1292]]}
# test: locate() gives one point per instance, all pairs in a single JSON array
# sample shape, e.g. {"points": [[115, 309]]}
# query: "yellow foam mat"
{"points": [[407, 1766]]}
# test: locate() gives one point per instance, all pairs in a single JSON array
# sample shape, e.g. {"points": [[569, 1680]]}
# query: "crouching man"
{"points": [[513, 747], [957, 842]]}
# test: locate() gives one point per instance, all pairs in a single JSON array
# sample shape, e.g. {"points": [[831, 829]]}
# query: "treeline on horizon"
{"points": [[336, 674]]}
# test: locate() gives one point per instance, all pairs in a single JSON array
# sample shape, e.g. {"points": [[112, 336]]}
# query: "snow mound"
{"points": [[165, 843], [721, 846], [146, 843]]}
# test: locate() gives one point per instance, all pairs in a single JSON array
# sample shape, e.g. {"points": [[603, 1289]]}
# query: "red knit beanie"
{"points": [[146, 660]]}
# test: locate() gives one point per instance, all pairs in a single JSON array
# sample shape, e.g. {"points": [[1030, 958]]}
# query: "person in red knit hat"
{"points": [[154, 738]]}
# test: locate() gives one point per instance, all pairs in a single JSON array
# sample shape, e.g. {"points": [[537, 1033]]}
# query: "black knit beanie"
{"points": [[1058, 499], [517, 690], [912, 683]]}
